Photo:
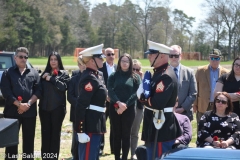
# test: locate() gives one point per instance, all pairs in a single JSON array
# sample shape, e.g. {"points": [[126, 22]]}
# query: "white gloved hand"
{"points": [[83, 138], [140, 91]]}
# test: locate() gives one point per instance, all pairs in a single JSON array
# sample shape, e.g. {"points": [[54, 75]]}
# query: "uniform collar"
{"points": [[16, 67], [95, 72], [161, 68]]}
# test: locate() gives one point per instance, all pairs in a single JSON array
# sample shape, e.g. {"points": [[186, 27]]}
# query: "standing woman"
{"points": [[137, 68], [72, 95], [230, 83], [122, 88], [90, 123], [52, 105]]}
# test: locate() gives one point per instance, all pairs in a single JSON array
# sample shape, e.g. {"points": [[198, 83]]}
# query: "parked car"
{"points": [[7, 61]]}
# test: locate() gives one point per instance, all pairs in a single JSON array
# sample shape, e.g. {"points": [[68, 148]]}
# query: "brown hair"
{"points": [[22, 49], [229, 103]]}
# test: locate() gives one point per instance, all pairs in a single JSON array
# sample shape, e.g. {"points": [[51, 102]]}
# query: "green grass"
{"points": [[71, 61], [66, 138]]}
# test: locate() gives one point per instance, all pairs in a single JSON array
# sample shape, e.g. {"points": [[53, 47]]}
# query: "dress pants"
{"points": [[111, 134], [28, 133], [161, 148], [121, 126], [51, 125], [135, 129], [74, 147], [90, 150]]}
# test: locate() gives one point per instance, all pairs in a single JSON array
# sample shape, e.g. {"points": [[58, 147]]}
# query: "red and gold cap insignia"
{"points": [[88, 87], [160, 87]]}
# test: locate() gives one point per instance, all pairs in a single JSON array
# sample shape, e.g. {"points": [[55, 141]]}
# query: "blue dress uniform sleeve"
{"points": [[162, 92], [87, 89]]}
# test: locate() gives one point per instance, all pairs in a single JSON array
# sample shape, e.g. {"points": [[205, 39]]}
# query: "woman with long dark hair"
{"points": [[220, 127], [52, 105], [122, 88], [230, 83]]}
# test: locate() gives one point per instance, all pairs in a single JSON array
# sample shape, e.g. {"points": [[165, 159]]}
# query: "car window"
{"points": [[5, 62]]}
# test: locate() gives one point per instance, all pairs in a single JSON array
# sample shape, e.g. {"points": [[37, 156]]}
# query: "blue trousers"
{"points": [[160, 148], [90, 150]]}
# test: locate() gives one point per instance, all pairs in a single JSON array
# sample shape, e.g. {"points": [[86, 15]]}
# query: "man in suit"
{"points": [[108, 68], [207, 77], [187, 88]]}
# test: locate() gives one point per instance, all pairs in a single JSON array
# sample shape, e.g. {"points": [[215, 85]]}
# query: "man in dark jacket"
{"points": [[108, 68], [20, 86], [163, 94]]}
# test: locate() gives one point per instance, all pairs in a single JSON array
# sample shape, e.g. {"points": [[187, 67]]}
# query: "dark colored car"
{"points": [[7, 61]]}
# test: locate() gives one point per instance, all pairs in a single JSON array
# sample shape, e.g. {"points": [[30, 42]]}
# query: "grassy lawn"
{"points": [[65, 150], [71, 61], [66, 138]]}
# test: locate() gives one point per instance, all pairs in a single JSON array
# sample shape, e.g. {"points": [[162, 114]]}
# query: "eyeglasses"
{"points": [[215, 58], [21, 57], [171, 56], [219, 100], [122, 61], [236, 65], [135, 69], [110, 54]]}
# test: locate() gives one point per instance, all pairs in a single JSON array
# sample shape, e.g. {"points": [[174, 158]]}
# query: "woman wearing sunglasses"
{"points": [[219, 128], [137, 68], [230, 83]]}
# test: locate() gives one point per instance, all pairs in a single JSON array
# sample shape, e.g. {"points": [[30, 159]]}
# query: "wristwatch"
{"points": [[29, 103]]}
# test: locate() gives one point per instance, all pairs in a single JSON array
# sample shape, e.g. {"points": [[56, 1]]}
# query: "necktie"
{"points": [[176, 72]]}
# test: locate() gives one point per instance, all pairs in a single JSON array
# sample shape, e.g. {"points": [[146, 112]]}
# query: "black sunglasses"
{"points": [[21, 57], [171, 56], [110, 54], [135, 69], [219, 100]]}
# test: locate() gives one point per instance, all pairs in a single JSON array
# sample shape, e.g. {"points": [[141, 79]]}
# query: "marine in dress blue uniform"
{"points": [[162, 98], [90, 109]]}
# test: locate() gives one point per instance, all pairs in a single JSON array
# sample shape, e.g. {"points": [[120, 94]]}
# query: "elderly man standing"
{"points": [[207, 77], [160, 126], [108, 68], [187, 89], [20, 88]]}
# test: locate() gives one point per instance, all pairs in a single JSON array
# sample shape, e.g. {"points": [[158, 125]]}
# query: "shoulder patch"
{"points": [[88, 87], [160, 87]]}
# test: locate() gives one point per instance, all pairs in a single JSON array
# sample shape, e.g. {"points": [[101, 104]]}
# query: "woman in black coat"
{"points": [[52, 105]]}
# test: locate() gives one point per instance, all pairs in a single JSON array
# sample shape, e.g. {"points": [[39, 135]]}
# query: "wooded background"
{"points": [[63, 25]]}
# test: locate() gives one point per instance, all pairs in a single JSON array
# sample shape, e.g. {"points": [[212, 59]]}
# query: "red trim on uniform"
{"points": [[159, 149], [88, 147]]}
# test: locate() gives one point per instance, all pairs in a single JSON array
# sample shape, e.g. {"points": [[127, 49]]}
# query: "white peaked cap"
{"points": [[157, 47], [96, 50]]}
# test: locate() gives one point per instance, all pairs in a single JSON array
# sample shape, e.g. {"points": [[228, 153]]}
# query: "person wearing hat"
{"points": [[90, 123], [187, 90], [160, 126], [230, 83], [206, 77]]}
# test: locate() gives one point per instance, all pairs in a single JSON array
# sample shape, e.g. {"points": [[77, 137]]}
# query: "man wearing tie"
{"points": [[108, 68], [187, 85]]}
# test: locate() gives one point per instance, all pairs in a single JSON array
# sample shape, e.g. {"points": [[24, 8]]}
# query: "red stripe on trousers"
{"points": [[159, 149], [88, 147]]}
